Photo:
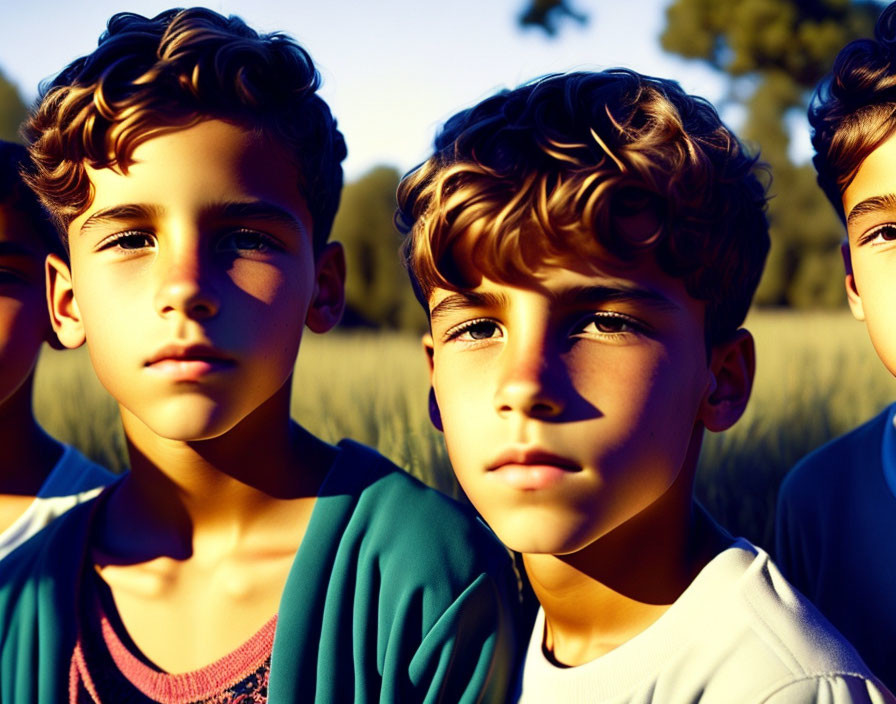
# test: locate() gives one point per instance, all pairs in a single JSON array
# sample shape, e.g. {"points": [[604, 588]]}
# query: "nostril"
{"points": [[543, 408], [201, 310]]}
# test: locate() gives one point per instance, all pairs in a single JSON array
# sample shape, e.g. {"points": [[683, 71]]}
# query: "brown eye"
{"points": [[475, 331], [887, 232], [482, 330], [133, 240], [606, 323], [245, 240], [884, 233]]}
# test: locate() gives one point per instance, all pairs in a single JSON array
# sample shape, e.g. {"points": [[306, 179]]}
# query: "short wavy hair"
{"points": [[853, 110], [553, 169], [14, 194], [148, 77]]}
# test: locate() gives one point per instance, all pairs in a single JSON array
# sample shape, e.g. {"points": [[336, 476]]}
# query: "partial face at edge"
{"points": [[569, 404], [192, 277], [24, 323], [870, 206]]}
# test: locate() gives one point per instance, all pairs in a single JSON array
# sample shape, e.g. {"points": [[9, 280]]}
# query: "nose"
{"points": [[185, 287], [530, 383]]}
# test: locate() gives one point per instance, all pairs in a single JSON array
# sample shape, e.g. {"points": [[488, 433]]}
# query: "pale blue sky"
{"points": [[393, 70]]}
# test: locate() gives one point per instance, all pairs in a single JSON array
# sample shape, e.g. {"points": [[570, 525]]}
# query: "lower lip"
{"points": [[187, 369], [528, 477]]}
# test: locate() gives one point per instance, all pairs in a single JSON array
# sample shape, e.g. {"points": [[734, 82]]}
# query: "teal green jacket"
{"points": [[396, 594]]}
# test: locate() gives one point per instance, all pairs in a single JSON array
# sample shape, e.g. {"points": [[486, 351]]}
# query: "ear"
{"points": [[49, 334], [852, 292], [65, 317], [329, 289], [732, 365], [435, 415]]}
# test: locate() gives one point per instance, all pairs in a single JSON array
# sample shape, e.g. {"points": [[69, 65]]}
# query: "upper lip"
{"points": [[531, 456], [188, 352]]}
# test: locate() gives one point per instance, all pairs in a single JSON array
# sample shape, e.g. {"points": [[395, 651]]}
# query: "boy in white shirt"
{"points": [[836, 517], [39, 476], [586, 247]]}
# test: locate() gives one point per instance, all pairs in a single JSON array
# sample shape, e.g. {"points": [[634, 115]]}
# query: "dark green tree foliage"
{"points": [[775, 52], [378, 290], [12, 110], [547, 14]]}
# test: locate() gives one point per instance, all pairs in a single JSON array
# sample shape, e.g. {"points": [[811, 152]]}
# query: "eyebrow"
{"points": [[119, 213], [617, 293], [461, 301], [871, 205], [577, 295], [237, 210], [258, 210]]}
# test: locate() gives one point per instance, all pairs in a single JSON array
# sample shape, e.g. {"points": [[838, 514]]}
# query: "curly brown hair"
{"points": [[853, 110], [151, 76], [557, 168]]}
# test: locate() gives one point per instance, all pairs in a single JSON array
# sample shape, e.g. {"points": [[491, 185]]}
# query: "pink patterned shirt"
{"points": [[106, 667]]}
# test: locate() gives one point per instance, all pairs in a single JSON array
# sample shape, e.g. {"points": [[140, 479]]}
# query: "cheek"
{"points": [[881, 324], [22, 328], [875, 283], [464, 397]]}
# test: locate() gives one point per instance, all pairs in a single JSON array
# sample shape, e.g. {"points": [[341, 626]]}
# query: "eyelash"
{"points": [[598, 317], [630, 324], [265, 242], [878, 231], [119, 238], [458, 330]]}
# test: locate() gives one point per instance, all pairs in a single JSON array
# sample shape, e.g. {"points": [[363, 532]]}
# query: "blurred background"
{"points": [[394, 70]]}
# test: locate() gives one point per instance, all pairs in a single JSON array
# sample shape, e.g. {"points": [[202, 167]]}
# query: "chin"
{"points": [[184, 422], [540, 535]]}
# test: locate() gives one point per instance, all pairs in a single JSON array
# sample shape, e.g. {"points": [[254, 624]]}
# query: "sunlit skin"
{"points": [[28, 452], [869, 203], [192, 276], [573, 405]]}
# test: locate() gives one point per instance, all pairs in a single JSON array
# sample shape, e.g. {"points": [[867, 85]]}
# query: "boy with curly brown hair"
{"points": [[195, 173], [586, 247]]}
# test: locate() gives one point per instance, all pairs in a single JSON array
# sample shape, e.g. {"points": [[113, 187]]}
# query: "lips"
{"points": [[532, 457], [188, 362], [530, 469]]}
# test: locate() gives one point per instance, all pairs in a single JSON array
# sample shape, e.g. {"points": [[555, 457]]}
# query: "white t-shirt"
{"points": [[739, 633], [74, 479]]}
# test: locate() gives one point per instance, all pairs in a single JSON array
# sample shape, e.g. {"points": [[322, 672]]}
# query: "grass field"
{"points": [[817, 377]]}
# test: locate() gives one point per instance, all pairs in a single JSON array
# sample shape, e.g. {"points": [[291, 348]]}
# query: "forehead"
{"points": [[203, 165], [874, 182], [578, 280]]}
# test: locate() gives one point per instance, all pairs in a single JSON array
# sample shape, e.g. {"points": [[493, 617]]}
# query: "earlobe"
{"points": [[853, 297], [329, 290], [435, 415], [65, 317], [852, 292], [733, 366]]}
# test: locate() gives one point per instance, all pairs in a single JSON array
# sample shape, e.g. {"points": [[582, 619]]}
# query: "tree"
{"points": [[12, 110], [775, 52], [377, 289], [546, 14]]}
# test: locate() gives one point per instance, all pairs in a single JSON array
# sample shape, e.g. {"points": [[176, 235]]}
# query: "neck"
{"points": [[605, 594], [178, 492], [28, 452]]}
